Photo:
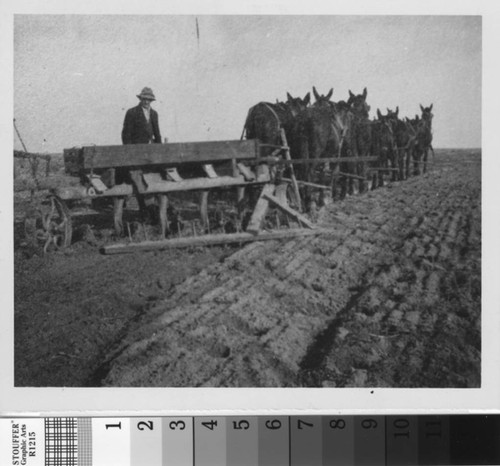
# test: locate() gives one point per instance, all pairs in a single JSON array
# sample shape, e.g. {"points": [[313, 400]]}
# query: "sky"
{"points": [[76, 75]]}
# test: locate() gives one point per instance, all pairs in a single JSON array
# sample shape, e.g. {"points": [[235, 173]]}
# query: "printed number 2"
{"points": [[143, 425]]}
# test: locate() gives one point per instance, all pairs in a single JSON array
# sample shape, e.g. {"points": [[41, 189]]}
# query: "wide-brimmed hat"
{"points": [[147, 93]]}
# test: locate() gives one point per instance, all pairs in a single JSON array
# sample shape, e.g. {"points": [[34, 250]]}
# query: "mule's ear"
{"points": [[379, 115], [329, 94], [351, 94], [421, 108], [430, 108], [307, 98], [289, 97], [315, 92], [365, 93]]}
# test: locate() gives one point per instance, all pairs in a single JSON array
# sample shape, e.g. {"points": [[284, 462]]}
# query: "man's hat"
{"points": [[147, 93]]}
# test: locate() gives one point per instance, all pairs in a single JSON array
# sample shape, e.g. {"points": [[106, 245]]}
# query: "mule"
{"points": [[423, 142], [318, 133], [361, 133], [404, 142], [383, 145], [264, 120]]}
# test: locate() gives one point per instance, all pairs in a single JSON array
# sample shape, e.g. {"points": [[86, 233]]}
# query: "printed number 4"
{"points": [[209, 425]]}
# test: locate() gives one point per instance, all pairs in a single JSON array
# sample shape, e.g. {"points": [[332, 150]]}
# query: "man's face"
{"points": [[146, 103]]}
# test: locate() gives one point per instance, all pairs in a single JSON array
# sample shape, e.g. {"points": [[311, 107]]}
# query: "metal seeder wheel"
{"points": [[51, 227]]}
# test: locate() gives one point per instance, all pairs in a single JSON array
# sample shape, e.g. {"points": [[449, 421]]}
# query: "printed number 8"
{"points": [[337, 424]]}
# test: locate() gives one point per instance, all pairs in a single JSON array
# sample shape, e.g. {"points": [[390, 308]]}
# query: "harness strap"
{"points": [[274, 113], [250, 111]]}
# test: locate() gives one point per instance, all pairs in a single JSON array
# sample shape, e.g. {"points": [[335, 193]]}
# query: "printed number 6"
{"points": [[174, 424]]}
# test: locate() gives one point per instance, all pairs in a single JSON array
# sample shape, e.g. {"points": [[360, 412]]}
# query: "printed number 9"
{"points": [[369, 424]]}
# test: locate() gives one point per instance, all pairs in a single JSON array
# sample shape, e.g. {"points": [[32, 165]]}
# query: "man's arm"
{"points": [[156, 127], [127, 128]]}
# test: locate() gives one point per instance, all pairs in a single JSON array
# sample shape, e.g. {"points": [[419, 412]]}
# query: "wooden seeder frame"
{"points": [[154, 171]]}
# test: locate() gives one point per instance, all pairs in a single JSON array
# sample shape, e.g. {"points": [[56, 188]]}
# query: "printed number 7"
{"points": [[301, 423]]}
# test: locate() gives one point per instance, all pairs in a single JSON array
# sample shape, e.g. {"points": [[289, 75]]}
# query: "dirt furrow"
{"points": [[364, 307]]}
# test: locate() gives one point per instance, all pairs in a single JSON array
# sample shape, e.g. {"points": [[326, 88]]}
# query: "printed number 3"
{"points": [[174, 424]]}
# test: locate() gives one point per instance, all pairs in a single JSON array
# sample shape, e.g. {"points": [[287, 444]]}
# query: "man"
{"points": [[141, 122], [140, 127]]}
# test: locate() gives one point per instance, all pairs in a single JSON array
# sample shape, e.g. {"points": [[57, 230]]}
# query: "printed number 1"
{"points": [[109, 426]]}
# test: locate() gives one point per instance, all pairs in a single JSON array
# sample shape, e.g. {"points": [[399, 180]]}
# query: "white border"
{"points": [[197, 401]]}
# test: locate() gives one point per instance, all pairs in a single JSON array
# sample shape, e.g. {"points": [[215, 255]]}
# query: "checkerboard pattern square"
{"points": [[61, 441]]}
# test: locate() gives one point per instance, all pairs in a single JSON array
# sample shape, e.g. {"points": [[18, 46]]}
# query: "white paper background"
{"points": [[260, 401]]}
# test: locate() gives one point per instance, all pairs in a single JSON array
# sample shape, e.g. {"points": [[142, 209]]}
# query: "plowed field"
{"points": [[390, 297]]}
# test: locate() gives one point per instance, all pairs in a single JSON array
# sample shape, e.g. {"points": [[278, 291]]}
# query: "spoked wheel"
{"points": [[50, 226]]}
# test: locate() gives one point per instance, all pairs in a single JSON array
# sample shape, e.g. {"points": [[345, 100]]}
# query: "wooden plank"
{"points": [[209, 170], [306, 183], [210, 240], [274, 160], [173, 175], [280, 193], [246, 172], [80, 192], [160, 154], [260, 209], [289, 211], [350, 175]]}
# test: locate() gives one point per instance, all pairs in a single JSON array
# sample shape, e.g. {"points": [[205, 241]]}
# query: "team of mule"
{"points": [[324, 129]]}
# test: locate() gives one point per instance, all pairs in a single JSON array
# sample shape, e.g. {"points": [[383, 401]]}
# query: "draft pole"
{"points": [[292, 171]]}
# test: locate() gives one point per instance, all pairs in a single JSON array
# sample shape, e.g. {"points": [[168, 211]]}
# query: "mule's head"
{"points": [[296, 104], [393, 114], [386, 121], [427, 114], [323, 101], [358, 103]]}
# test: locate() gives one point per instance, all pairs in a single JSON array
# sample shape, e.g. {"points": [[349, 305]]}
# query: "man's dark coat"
{"points": [[136, 129]]}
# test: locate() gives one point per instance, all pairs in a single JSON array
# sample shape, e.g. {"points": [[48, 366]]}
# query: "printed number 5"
{"points": [[173, 425], [241, 425]]}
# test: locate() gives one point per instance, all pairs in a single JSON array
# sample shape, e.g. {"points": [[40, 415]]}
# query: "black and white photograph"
{"points": [[257, 201]]}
